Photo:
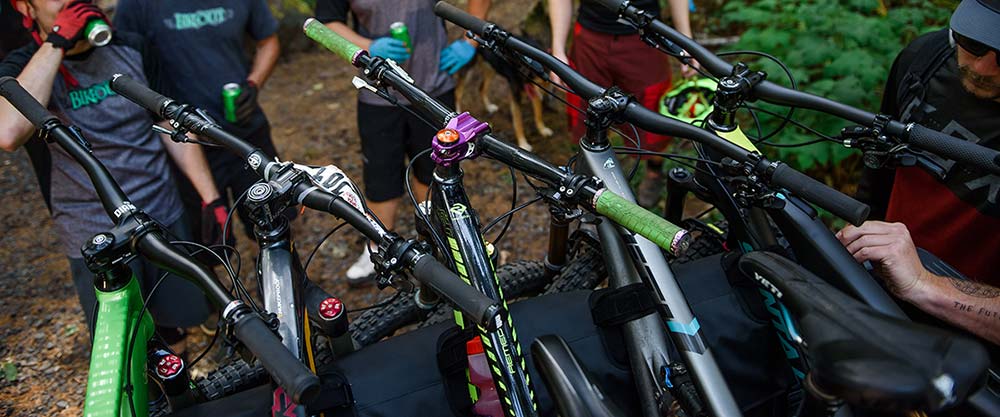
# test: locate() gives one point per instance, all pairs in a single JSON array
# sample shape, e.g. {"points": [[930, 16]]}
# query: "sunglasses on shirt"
{"points": [[974, 47]]}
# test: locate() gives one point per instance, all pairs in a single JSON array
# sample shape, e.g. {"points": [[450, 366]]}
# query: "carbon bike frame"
{"points": [[453, 218], [646, 338]]}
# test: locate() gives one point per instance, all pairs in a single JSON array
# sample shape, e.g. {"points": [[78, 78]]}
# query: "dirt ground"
{"points": [[311, 105]]}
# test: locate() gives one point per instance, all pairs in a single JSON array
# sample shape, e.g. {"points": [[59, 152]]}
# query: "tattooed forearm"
{"points": [[974, 289], [980, 311]]}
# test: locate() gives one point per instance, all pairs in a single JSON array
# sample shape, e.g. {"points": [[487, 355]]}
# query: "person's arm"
{"points": [[963, 303], [680, 15], [343, 30], [191, 161], [264, 60], [37, 78], [480, 9], [560, 19]]}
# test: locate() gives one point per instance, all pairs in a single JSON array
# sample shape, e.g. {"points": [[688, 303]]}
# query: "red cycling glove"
{"points": [[70, 22]]}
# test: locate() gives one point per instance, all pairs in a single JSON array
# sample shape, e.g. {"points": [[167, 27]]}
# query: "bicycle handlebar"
{"points": [[945, 145], [818, 193], [665, 234], [480, 308], [300, 383]]}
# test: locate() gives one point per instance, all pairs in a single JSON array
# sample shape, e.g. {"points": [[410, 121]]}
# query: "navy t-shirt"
{"points": [[200, 45]]}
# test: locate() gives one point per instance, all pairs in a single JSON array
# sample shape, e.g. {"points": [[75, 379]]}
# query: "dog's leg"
{"points": [[536, 108], [463, 76], [484, 90], [515, 116]]}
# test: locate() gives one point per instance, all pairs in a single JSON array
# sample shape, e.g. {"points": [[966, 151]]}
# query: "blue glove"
{"points": [[456, 56], [390, 48]]}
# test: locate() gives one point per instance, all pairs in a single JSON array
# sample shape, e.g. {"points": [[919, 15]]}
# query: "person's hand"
{"points": [[213, 220], [690, 69], [560, 55], [389, 48], [890, 249], [67, 30], [456, 56], [246, 102]]}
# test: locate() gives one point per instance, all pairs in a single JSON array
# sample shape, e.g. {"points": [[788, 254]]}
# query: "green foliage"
{"points": [[837, 49], [9, 371]]}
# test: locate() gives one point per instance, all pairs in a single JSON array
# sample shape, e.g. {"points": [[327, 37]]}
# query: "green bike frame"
{"points": [[117, 315]]}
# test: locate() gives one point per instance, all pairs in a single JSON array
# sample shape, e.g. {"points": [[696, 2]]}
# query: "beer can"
{"points": [[399, 31], [229, 93], [98, 32]]}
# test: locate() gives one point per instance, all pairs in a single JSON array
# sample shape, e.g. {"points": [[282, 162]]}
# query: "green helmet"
{"points": [[689, 101]]}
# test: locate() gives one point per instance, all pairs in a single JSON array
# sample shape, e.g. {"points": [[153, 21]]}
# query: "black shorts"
{"points": [[389, 135]]}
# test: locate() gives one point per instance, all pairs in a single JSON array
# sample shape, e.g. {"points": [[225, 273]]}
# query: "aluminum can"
{"points": [[399, 31], [229, 93], [98, 32]]}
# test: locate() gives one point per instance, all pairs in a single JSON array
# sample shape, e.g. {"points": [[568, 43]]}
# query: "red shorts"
{"points": [[624, 61]]}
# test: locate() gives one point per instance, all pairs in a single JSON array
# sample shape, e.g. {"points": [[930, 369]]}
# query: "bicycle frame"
{"points": [[647, 337], [454, 219], [117, 316]]}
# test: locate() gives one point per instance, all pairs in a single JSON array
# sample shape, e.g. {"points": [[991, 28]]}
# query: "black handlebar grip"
{"points": [[460, 17], [24, 102], [820, 194], [139, 93], [482, 309], [960, 150], [290, 373]]}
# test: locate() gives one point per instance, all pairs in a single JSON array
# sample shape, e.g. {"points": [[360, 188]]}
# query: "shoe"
{"points": [[362, 272]]}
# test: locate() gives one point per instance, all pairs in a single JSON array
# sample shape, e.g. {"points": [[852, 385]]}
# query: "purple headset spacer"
{"points": [[467, 127]]}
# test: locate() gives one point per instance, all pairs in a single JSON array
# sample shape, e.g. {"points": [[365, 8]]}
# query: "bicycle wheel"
{"points": [[516, 278], [584, 271]]}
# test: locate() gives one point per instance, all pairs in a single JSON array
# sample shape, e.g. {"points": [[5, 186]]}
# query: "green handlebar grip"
{"points": [[331, 40], [631, 216]]}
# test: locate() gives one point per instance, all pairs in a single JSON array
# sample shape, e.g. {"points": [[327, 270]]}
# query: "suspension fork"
{"points": [[456, 221], [558, 252]]}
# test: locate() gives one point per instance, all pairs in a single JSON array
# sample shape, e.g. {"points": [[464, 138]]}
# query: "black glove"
{"points": [[213, 219], [246, 102], [67, 30]]}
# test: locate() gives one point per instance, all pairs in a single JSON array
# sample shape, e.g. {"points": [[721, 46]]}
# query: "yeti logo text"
{"points": [[124, 209], [767, 284]]}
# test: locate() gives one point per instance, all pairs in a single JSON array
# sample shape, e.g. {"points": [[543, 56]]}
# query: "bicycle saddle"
{"points": [[864, 357], [574, 394]]}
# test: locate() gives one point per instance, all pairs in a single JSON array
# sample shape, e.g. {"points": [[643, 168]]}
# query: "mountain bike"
{"points": [[758, 171], [462, 138], [291, 295], [123, 329]]}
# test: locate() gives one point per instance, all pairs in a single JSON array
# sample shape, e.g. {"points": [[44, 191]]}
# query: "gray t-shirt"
{"points": [[372, 19], [119, 134]]}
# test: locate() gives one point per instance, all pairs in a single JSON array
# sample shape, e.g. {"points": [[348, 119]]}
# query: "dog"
{"points": [[515, 70]]}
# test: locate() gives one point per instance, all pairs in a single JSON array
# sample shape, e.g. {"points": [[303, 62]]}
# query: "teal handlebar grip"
{"points": [[631, 216], [331, 40]]}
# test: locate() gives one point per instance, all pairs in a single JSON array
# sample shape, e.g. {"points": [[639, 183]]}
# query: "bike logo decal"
{"points": [[333, 179], [767, 284], [610, 163], [99, 239], [459, 211], [282, 405], [254, 160], [199, 18], [124, 209]]}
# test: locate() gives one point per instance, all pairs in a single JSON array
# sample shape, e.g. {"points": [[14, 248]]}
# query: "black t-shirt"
{"points": [[13, 35], [200, 46], [598, 18], [956, 217]]}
